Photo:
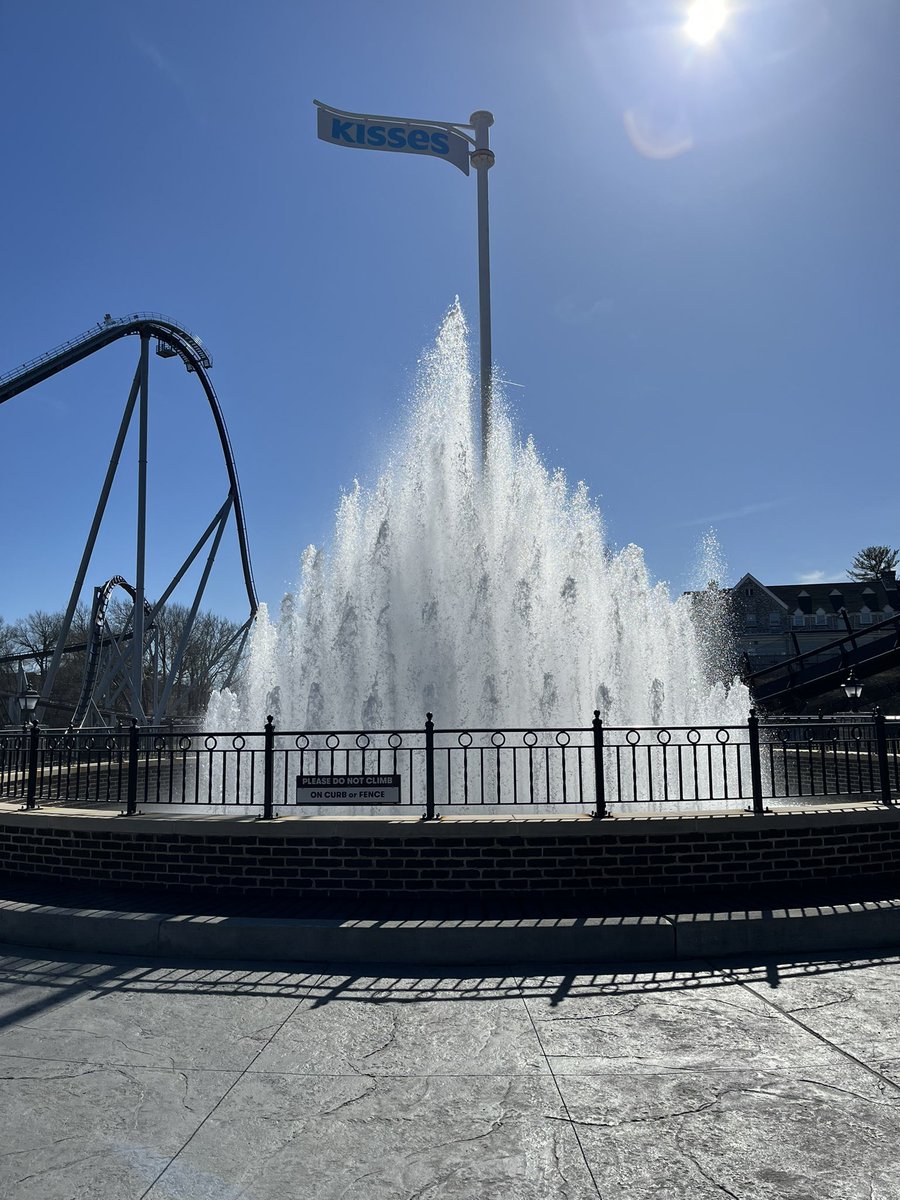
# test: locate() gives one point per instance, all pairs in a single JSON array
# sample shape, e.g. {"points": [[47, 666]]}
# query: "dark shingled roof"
{"points": [[874, 594]]}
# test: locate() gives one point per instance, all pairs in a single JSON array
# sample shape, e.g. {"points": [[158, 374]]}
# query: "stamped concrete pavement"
{"points": [[757, 1080]]}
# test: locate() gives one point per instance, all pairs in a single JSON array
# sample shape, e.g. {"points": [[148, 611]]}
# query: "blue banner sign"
{"points": [[387, 133], [348, 789]]}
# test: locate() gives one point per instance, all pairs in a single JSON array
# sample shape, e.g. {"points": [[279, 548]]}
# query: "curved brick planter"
{"points": [[617, 858]]}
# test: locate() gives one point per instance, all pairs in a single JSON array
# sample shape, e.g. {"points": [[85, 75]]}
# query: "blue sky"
{"points": [[695, 266]]}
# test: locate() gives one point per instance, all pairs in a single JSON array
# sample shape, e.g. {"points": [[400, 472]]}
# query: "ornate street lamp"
{"points": [[28, 699], [852, 690]]}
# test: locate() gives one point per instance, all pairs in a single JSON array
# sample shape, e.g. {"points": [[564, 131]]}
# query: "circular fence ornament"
{"points": [[663, 737], [530, 738], [465, 740], [632, 737], [301, 741], [210, 742], [693, 736], [332, 741], [184, 743], [563, 738], [498, 739], [159, 744], [238, 742], [362, 741], [722, 736], [395, 740]]}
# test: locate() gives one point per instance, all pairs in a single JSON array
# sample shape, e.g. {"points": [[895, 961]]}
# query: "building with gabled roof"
{"points": [[774, 622]]}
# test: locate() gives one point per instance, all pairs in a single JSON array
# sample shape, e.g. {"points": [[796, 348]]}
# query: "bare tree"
{"points": [[37, 635], [208, 661], [209, 658], [7, 669]]}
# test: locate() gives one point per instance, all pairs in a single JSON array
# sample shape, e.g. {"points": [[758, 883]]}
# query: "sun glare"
{"points": [[705, 19]]}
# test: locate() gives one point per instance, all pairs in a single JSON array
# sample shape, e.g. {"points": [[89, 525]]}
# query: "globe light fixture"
{"points": [[705, 20]]}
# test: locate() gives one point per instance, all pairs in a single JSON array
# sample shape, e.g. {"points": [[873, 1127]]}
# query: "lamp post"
{"points": [[852, 689], [28, 699]]}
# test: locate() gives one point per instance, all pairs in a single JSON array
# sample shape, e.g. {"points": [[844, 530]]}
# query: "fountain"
{"points": [[489, 598]]}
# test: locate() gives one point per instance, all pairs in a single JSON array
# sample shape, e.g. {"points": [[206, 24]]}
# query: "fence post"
{"points": [[429, 766], [599, 781], [134, 750], [884, 773], [269, 771], [755, 768], [31, 790]]}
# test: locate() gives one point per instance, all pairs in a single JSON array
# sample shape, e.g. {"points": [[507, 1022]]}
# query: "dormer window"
{"points": [[797, 619], [865, 617], [821, 617]]}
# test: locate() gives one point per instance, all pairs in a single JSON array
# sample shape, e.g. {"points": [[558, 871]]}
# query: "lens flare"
{"points": [[705, 20]]}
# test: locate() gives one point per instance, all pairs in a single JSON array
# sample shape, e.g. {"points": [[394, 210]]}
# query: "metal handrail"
{"points": [[178, 766]]}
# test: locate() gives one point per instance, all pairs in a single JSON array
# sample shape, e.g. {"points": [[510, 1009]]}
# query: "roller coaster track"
{"points": [[191, 352], [172, 340], [96, 641]]}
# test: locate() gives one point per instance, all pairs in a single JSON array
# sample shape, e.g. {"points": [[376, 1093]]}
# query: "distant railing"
{"points": [[595, 768], [111, 323]]}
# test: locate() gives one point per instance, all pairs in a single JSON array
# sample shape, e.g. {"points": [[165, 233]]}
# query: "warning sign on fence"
{"points": [[348, 789]]}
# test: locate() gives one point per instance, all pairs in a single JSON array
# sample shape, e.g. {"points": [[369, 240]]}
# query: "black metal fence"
{"points": [[595, 768]]}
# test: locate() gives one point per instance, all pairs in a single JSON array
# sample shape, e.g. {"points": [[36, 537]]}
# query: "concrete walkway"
{"points": [[132, 1078]]}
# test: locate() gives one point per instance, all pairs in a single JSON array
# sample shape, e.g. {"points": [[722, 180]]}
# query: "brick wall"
{"points": [[616, 857]]}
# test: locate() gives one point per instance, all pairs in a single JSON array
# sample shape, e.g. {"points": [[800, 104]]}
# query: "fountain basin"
{"points": [[578, 859]]}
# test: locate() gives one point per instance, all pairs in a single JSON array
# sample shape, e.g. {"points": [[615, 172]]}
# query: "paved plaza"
{"points": [[126, 1078]]}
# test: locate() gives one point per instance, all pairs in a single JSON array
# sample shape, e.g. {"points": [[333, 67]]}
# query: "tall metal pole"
{"points": [[482, 161], [50, 678], [137, 670]]}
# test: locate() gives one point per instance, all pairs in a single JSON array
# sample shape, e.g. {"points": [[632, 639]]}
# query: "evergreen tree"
{"points": [[871, 561]]}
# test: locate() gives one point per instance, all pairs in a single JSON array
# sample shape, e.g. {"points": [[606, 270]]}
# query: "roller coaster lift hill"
{"points": [[114, 664]]}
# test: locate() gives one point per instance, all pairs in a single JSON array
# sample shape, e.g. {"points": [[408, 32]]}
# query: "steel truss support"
{"points": [[137, 644], [81, 574], [124, 668], [189, 624], [119, 672]]}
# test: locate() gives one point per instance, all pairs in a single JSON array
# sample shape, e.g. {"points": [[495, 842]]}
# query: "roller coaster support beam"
{"points": [[137, 645], [243, 633], [128, 666], [50, 677], [185, 566], [116, 662], [189, 623]]}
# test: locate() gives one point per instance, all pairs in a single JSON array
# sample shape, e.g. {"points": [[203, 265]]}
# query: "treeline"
{"points": [[210, 659]]}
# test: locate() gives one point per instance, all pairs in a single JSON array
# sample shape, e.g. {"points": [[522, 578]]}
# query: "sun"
{"points": [[705, 19]]}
